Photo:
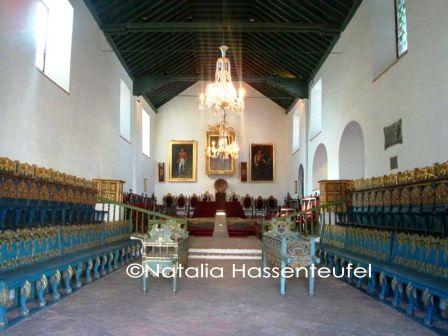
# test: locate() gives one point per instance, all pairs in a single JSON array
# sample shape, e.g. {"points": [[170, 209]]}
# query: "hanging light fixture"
{"points": [[226, 147], [221, 95]]}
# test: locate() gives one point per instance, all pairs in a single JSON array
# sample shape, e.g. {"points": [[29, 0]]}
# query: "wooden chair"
{"points": [[181, 206], [260, 207], [247, 204], [192, 204]]}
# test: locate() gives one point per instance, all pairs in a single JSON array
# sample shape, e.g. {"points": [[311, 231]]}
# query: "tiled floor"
{"points": [[115, 305]]}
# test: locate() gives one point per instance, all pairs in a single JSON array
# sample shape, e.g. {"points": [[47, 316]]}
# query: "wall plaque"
{"points": [[393, 163], [393, 135]]}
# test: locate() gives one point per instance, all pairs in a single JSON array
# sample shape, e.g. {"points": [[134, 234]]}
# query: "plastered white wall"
{"points": [[77, 133], [263, 121], [413, 89]]}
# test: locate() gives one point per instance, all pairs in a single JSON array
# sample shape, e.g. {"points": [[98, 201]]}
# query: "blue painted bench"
{"points": [[46, 263], [284, 248], [408, 270]]}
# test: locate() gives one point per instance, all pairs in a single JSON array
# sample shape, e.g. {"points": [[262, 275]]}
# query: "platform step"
{"points": [[221, 254]]}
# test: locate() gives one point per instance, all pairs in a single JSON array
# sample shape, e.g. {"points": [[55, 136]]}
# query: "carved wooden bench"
{"points": [[43, 264], [407, 269]]}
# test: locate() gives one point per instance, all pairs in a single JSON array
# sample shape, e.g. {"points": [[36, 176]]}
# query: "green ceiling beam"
{"points": [[292, 86], [218, 27]]}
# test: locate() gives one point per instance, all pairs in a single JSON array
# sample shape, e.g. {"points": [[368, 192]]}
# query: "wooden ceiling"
{"points": [[276, 46]]}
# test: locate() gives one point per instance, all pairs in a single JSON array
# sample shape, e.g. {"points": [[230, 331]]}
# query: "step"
{"points": [[224, 254]]}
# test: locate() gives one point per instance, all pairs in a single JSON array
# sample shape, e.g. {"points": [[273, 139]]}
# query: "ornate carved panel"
{"points": [[416, 196], [428, 195]]}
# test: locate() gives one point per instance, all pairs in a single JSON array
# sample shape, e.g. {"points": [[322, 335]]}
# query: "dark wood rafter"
{"points": [[276, 46]]}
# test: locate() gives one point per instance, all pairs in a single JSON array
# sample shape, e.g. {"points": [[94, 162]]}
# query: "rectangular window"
{"points": [[316, 109], [146, 133], [401, 27], [296, 130], [125, 111], [54, 26]]}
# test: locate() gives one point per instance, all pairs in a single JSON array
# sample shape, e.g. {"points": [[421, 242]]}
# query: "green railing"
{"points": [[140, 220], [313, 220]]}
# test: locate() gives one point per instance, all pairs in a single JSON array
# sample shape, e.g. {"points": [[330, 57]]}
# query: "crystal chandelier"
{"points": [[226, 147], [221, 95]]}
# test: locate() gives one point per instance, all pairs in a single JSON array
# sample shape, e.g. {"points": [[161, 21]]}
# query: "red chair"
{"points": [[260, 207], [181, 206], [194, 199], [168, 203], [272, 206], [248, 206], [234, 197]]}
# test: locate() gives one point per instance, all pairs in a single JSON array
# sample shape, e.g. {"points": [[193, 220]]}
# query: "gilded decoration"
{"points": [[4, 296], [416, 196], [35, 178], [428, 195], [422, 253], [437, 172], [405, 197], [34, 189], [379, 198], [8, 189], [42, 283], [372, 198], [368, 242], [395, 197], [366, 199], [7, 165], [387, 199], [26, 170], [26, 289], [442, 194]]}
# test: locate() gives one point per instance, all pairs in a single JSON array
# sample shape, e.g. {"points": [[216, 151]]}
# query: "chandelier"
{"points": [[221, 95], [226, 147]]}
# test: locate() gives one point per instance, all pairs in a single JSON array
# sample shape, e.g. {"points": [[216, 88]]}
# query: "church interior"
{"points": [[223, 167]]}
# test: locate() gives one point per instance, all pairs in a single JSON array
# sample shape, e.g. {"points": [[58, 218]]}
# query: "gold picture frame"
{"points": [[218, 166], [262, 167], [186, 151]]}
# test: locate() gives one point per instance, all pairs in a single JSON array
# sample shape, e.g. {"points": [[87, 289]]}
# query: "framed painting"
{"points": [[161, 167], [262, 162], [182, 161], [215, 166]]}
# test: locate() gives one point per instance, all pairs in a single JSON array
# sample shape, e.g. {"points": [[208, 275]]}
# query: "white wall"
{"points": [[263, 122], [299, 157], [413, 89], [77, 133]]}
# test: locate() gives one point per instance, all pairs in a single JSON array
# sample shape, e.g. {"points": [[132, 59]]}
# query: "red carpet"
{"points": [[208, 209]]}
